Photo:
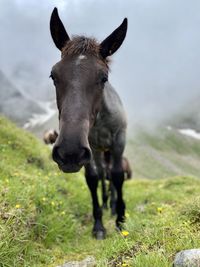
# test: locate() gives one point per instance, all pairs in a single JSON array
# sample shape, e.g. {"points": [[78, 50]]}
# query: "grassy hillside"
{"points": [[162, 153], [45, 215]]}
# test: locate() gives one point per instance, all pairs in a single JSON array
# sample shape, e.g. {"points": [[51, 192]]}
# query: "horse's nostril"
{"points": [[85, 156], [55, 155]]}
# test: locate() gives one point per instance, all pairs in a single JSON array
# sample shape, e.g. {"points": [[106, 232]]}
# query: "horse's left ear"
{"points": [[111, 44]]}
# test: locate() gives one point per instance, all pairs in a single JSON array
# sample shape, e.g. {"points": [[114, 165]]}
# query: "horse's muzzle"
{"points": [[71, 162]]}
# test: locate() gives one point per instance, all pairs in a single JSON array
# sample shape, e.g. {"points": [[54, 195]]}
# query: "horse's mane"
{"points": [[83, 45]]}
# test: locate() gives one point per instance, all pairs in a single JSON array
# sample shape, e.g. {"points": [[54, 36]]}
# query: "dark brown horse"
{"points": [[91, 115], [50, 137]]}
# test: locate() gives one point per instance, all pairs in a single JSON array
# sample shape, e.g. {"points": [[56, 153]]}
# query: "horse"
{"points": [[50, 136], [91, 117]]}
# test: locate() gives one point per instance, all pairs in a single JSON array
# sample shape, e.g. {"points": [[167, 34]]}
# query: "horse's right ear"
{"points": [[58, 32]]}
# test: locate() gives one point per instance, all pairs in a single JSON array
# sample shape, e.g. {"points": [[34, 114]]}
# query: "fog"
{"points": [[156, 70]]}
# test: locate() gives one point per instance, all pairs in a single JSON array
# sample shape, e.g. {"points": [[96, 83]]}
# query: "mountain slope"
{"points": [[163, 152], [188, 116], [15, 104], [45, 215]]}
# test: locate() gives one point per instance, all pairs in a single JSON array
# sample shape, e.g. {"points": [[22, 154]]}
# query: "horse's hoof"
{"points": [[119, 226], [99, 235]]}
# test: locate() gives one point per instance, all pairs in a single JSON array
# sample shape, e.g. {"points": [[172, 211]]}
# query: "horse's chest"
{"points": [[100, 138]]}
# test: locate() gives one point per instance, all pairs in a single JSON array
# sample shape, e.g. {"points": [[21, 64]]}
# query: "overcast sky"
{"points": [[156, 70]]}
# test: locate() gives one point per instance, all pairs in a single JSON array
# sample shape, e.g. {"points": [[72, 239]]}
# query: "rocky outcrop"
{"points": [[187, 258]]}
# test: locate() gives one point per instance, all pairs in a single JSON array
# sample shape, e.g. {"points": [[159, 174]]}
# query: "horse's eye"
{"points": [[51, 76], [104, 79]]}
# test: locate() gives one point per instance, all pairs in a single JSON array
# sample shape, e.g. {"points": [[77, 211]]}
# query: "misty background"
{"points": [[156, 70]]}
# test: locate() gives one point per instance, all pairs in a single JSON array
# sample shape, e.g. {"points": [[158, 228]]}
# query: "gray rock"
{"points": [[87, 262], [187, 258]]}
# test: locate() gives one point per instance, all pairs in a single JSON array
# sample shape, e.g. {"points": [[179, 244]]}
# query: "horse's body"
{"points": [[107, 135], [110, 121], [91, 116]]}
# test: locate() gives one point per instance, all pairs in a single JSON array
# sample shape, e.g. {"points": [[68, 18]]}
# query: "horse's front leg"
{"points": [[112, 198], [117, 176], [91, 176]]}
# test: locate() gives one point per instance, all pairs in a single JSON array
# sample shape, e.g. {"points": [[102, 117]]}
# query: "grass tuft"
{"points": [[192, 211]]}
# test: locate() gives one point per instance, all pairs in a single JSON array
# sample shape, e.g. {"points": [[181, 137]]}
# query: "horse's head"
{"points": [[79, 78]]}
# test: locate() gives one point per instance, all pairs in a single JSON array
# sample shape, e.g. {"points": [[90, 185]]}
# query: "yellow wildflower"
{"points": [[160, 209], [52, 203], [44, 199], [63, 213], [125, 233], [17, 206], [127, 215]]}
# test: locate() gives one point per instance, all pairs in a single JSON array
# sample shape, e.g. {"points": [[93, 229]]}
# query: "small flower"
{"points": [[124, 264], [44, 199], [52, 203], [17, 206], [127, 215], [160, 209], [63, 213], [125, 233]]}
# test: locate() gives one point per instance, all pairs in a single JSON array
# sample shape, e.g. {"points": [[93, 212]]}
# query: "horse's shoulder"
{"points": [[113, 106]]}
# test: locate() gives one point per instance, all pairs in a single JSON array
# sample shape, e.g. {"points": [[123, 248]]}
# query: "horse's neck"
{"points": [[104, 110]]}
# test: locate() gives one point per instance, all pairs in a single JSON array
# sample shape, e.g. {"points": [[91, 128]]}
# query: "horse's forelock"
{"points": [[82, 45]]}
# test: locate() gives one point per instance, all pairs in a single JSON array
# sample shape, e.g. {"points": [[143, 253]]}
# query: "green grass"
{"points": [[45, 215]]}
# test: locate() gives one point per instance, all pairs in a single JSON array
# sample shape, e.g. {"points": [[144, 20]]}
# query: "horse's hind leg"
{"points": [[112, 198], [101, 174], [91, 176], [104, 192]]}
